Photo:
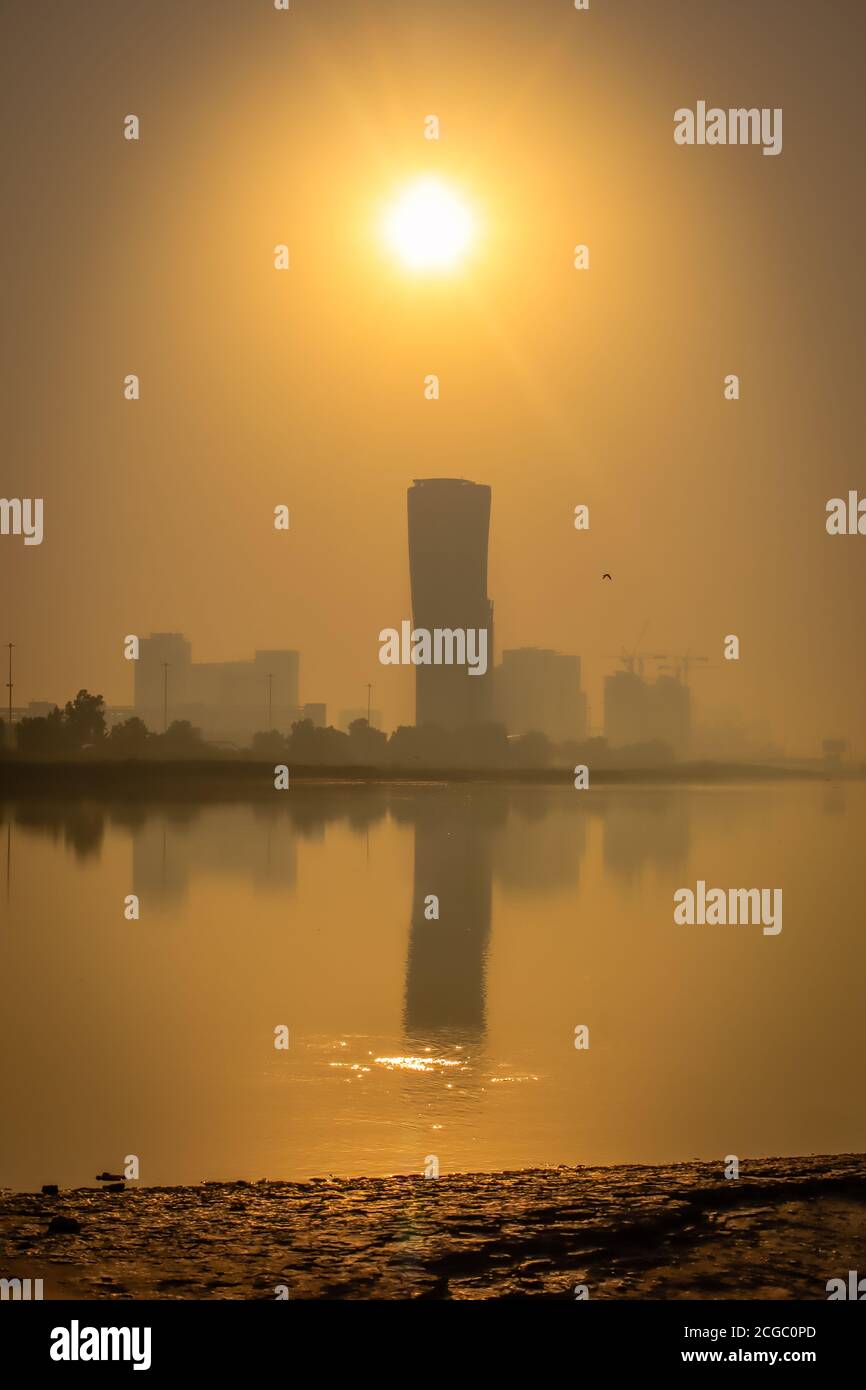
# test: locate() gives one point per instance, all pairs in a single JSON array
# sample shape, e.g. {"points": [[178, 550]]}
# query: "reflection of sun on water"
{"points": [[421, 1064], [416, 1063]]}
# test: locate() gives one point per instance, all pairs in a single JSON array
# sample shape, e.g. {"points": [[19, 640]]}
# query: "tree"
{"points": [[420, 746], [310, 746], [367, 746], [180, 740], [128, 739], [332, 747], [268, 745], [532, 751], [84, 718], [301, 743], [477, 746], [46, 736]]}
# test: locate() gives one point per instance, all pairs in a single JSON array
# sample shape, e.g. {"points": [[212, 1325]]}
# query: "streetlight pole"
{"points": [[164, 696], [10, 645], [270, 701], [369, 698]]}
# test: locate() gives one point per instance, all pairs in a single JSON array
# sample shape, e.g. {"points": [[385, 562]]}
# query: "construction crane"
{"points": [[681, 662], [686, 662], [680, 668], [629, 659]]}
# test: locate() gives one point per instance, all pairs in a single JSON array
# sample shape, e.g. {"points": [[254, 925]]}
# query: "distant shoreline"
{"points": [[198, 776]]}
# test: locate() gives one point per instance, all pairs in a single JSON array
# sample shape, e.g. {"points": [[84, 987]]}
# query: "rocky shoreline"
{"points": [[683, 1231]]}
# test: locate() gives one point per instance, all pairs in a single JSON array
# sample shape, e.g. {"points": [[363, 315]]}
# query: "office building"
{"points": [[449, 520], [538, 691]]}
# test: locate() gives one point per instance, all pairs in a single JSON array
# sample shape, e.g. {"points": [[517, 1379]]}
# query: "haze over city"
{"points": [[558, 387]]}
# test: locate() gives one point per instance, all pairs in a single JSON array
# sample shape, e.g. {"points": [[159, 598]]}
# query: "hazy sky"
{"points": [[558, 386]]}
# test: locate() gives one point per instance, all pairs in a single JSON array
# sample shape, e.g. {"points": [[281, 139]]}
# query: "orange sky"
{"points": [[557, 386]]}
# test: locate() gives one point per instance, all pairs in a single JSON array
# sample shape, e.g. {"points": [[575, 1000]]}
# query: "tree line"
{"points": [[80, 731]]}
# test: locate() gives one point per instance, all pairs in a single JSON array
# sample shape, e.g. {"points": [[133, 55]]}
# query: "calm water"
{"points": [[411, 1037]]}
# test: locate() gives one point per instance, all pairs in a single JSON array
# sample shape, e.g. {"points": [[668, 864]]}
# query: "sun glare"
{"points": [[428, 227]]}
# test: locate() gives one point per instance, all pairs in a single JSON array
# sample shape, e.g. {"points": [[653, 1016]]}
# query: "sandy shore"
{"points": [[779, 1232]]}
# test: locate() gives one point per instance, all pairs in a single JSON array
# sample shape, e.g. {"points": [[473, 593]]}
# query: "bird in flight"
{"points": [[607, 576]]}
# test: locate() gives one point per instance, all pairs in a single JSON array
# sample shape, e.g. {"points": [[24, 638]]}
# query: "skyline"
{"points": [[305, 387], [448, 524], [533, 690]]}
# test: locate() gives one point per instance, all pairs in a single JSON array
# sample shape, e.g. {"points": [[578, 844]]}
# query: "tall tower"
{"points": [[449, 520]]}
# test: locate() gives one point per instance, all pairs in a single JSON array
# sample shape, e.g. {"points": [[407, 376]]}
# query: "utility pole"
{"points": [[10, 645], [164, 696], [369, 698], [270, 701]]}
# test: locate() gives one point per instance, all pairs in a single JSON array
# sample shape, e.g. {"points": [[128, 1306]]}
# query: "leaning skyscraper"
{"points": [[449, 520]]}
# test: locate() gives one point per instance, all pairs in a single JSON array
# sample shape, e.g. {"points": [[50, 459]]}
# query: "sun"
{"points": [[428, 227]]}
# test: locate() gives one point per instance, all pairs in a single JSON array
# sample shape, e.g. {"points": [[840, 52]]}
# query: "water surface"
{"points": [[412, 1038]]}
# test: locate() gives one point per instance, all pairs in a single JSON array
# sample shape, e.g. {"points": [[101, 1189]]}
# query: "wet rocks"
{"points": [[63, 1226], [674, 1231]]}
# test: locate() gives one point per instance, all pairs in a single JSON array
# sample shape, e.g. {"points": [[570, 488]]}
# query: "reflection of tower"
{"points": [[449, 520], [445, 968]]}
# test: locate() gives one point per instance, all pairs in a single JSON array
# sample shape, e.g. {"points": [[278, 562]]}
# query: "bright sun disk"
{"points": [[428, 227]]}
